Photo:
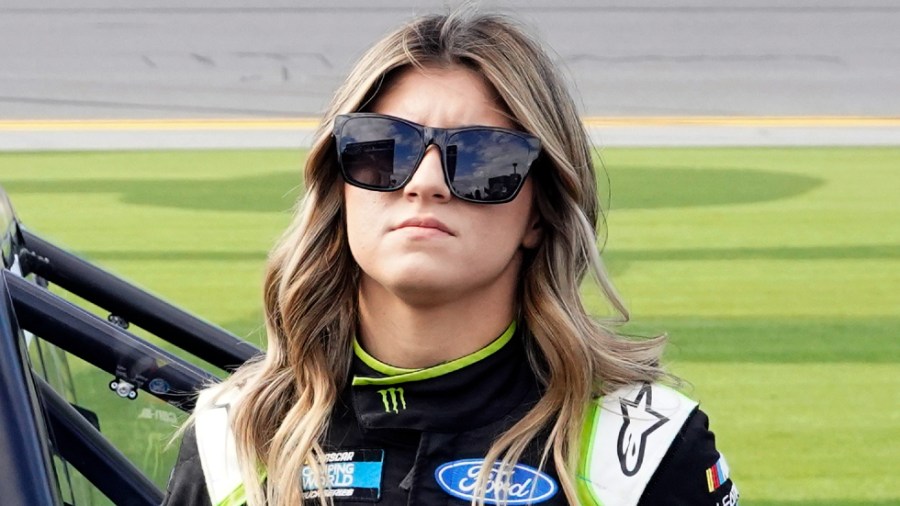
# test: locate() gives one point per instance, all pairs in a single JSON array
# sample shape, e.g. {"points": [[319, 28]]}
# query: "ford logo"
{"points": [[519, 485]]}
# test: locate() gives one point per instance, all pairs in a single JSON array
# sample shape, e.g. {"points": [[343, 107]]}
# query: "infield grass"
{"points": [[774, 271]]}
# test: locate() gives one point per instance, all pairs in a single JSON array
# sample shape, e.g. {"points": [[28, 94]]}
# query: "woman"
{"points": [[451, 199]]}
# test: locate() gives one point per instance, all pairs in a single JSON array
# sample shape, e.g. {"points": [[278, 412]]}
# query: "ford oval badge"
{"points": [[519, 485]]}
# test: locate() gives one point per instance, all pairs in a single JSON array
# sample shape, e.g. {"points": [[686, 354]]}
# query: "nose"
{"points": [[428, 180]]}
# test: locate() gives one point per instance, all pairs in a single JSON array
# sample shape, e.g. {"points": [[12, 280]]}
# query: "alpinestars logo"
{"points": [[393, 399], [633, 437]]}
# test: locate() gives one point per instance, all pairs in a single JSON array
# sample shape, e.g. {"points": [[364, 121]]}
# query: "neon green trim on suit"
{"points": [[441, 369], [236, 498], [583, 486], [376, 364]]}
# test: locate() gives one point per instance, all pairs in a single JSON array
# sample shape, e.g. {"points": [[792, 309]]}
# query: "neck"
{"points": [[414, 336]]}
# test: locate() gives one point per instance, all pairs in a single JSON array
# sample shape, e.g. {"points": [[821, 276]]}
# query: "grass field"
{"points": [[774, 271]]}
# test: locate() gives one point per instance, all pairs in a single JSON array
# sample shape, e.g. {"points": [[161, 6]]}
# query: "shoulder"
{"points": [[186, 483], [632, 437], [216, 444], [693, 472], [226, 394], [207, 459]]}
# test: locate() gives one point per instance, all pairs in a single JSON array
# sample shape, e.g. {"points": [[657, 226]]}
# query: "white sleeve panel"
{"points": [[218, 454], [633, 428]]}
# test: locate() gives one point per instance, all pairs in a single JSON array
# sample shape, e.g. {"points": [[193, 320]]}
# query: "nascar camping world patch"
{"points": [[350, 475]]}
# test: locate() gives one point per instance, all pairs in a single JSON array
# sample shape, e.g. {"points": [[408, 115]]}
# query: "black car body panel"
{"points": [[50, 443]]}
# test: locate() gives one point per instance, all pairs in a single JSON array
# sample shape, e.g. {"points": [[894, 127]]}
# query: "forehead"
{"points": [[445, 96]]}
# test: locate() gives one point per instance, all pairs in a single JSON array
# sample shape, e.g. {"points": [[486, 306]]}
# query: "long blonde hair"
{"points": [[286, 397]]}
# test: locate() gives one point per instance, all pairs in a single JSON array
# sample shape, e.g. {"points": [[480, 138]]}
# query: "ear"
{"points": [[535, 231]]}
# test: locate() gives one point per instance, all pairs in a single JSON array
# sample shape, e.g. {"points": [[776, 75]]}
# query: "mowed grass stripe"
{"points": [[783, 340], [803, 253], [619, 259], [804, 432], [671, 199], [864, 288]]}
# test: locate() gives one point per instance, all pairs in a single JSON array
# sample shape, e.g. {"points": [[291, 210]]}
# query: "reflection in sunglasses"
{"points": [[371, 163]]}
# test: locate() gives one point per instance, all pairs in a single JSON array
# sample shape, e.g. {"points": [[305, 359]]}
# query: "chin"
{"points": [[425, 290], [418, 284]]}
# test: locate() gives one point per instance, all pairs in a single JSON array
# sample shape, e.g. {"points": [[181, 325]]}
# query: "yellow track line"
{"points": [[189, 124], [159, 124], [746, 121]]}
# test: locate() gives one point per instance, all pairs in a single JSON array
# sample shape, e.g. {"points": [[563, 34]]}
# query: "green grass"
{"points": [[773, 271], [804, 432]]}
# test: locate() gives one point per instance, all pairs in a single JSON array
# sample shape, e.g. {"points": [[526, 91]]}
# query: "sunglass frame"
{"points": [[438, 137]]}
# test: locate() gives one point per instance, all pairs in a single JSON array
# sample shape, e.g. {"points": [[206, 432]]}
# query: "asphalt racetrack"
{"points": [[95, 74]]}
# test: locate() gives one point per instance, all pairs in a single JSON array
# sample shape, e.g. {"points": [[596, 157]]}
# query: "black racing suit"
{"points": [[418, 426]]}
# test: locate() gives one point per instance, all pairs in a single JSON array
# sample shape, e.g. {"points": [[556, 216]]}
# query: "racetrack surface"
{"points": [[274, 59]]}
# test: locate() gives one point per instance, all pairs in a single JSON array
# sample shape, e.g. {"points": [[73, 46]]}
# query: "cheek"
{"points": [[356, 211], [365, 214], [503, 230], [359, 203], [520, 216]]}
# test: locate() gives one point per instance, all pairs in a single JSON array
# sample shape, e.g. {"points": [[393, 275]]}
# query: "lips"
{"points": [[424, 222]]}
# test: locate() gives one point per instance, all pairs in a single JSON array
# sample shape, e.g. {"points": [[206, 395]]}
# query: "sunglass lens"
{"points": [[379, 153], [487, 165]]}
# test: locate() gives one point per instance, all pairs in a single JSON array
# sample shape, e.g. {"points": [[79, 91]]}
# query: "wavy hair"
{"points": [[310, 292]]}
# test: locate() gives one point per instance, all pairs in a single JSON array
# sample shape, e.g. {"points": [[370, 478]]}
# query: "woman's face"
{"points": [[421, 243]]}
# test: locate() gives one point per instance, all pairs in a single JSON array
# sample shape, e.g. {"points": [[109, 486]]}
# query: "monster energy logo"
{"points": [[390, 396]]}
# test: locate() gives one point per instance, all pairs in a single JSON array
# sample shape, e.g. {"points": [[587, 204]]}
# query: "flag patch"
{"points": [[717, 474]]}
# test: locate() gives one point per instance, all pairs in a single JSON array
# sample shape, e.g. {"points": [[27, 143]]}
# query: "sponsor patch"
{"points": [[731, 499], [632, 441], [717, 474], [158, 386], [519, 485], [349, 475]]}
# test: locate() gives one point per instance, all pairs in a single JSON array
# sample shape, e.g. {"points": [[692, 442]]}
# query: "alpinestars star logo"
{"points": [[633, 437]]}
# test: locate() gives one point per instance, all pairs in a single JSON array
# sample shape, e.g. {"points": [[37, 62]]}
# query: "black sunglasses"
{"points": [[485, 165]]}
